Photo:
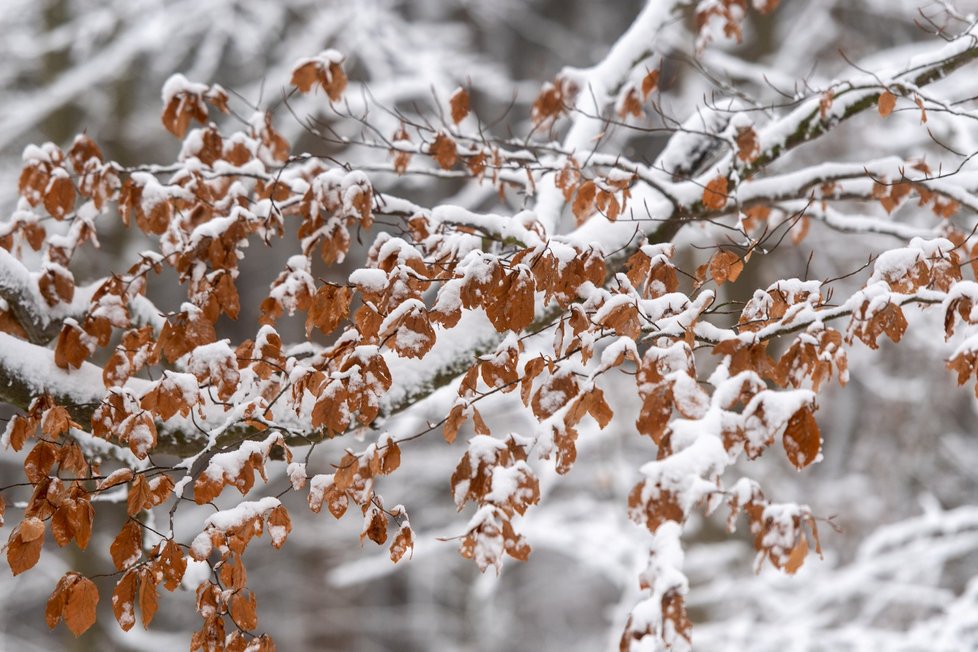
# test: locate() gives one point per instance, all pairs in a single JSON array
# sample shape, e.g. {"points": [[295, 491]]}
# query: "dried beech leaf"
{"points": [[80, 605], [126, 548], [24, 545], [124, 601], [725, 266], [147, 595], [802, 439], [886, 103], [715, 194]]}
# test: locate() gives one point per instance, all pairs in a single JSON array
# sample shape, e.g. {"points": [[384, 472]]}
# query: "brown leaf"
{"points": [[656, 411], [391, 458], [920, 105], [549, 104], [71, 458], [117, 477], [173, 564], [376, 527], [305, 76], [444, 151], [82, 598], [244, 609], [124, 601], [649, 83], [663, 505], [21, 428], [329, 307], [553, 394], [797, 556], [456, 417], [279, 525], [139, 430], [674, 606], [725, 266], [24, 545], [334, 81], [165, 400], [403, 542], [715, 194], [139, 496], [160, 489], [125, 549], [747, 145], [59, 197], [61, 528], [802, 439], [886, 103], [584, 201], [630, 105], [71, 349], [460, 105], [598, 407], [38, 463], [81, 515], [148, 599], [56, 602]]}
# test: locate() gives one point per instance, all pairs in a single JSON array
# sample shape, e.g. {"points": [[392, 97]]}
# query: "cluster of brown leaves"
{"points": [[491, 532], [891, 195], [224, 469], [353, 481], [140, 583], [731, 14], [230, 597], [65, 503]]}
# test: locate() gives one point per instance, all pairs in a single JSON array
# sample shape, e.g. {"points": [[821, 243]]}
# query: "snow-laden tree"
{"points": [[581, 320]]}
